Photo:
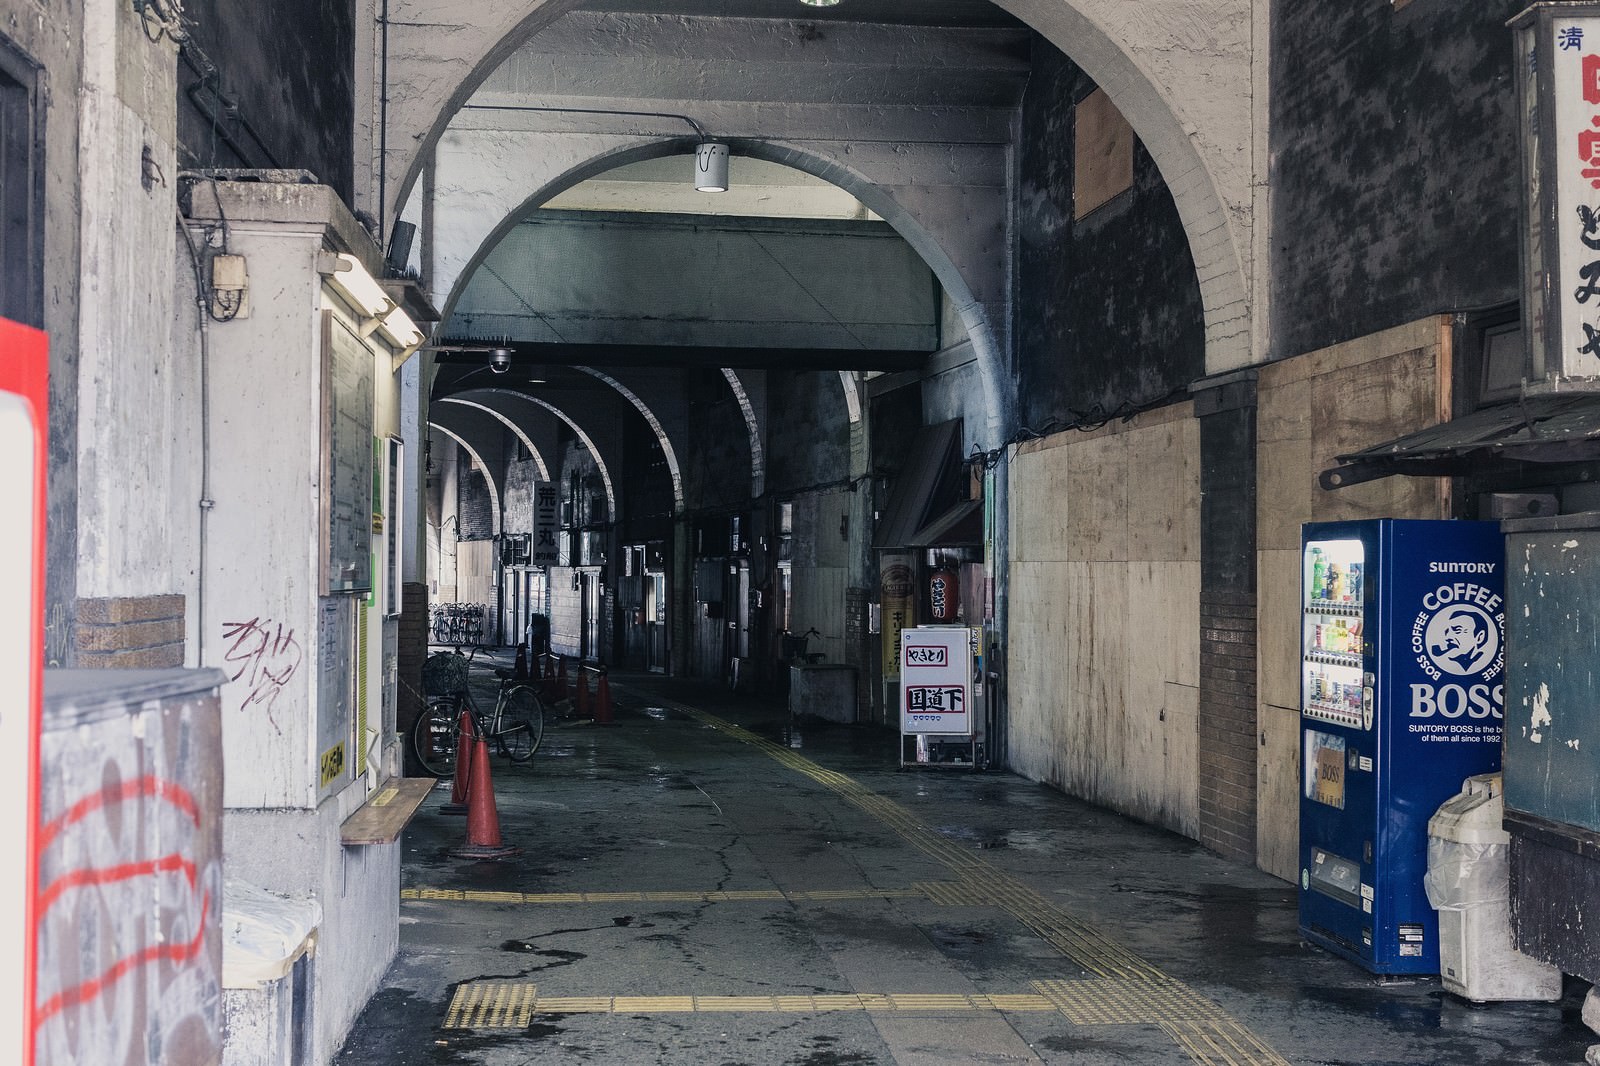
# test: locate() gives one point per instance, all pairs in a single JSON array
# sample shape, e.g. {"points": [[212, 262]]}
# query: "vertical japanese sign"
{"points": [[936, 680], [23, 403], [546, 523], [896, 598], [1558, 87]]}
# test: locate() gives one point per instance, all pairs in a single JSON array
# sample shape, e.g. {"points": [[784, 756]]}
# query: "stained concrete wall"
{"points": [[1108, 305], [1332, 401], [1104, 623], [287, 69], [56, 45], [1178, 69], [290, 783], [1395, 175]]}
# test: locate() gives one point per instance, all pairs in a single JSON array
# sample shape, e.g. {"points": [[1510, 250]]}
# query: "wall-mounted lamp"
{"points": [[711, 167], [353, 284], [400, 331]]}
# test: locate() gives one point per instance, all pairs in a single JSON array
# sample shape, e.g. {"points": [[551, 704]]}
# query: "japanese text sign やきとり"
{"points": [[936, 680]]}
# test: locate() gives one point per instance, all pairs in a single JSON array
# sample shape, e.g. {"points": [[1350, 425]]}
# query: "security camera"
{"points": [[500, 360]]}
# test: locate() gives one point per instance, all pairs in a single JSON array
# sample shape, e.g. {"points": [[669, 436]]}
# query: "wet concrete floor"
{"points": [[694, 889]]}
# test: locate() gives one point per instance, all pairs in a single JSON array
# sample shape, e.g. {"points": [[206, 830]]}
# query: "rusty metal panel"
{"points": [[130, 868], [1552, 728]]}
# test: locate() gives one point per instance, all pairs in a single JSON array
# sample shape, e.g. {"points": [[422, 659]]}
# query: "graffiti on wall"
{"points": [[266, 656], [130, 890]]}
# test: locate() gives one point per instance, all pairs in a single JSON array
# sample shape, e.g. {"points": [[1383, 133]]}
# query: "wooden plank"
{"points": [[381, 819]]}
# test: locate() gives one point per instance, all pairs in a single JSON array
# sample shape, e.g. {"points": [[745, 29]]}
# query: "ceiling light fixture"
{"points": [[820, 3], [711, 167]]}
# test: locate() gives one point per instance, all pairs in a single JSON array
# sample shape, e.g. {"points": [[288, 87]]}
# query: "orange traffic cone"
{"points": [[561, 679], [483, 820], [602, 701], [461, 787], [583, 693]]}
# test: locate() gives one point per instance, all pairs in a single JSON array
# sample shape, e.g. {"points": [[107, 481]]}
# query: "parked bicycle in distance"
{"points": [[457, 623], [515, 727]]}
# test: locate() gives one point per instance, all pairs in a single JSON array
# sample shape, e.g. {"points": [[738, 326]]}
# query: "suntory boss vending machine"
{"points": [[1402, 697]]}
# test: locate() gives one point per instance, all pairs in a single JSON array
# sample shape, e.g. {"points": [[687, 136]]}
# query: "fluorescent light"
{"points": [[399, 329], [352, 282]]}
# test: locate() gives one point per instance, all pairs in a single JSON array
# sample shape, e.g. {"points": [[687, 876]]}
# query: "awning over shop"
{"points": [[959, 527], [1554, 428], [932, 455]]}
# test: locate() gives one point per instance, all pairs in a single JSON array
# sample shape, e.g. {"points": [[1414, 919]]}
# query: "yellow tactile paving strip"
{"points": [[457, 895], [510, 1004], [1123, 989], [1132, 990]]}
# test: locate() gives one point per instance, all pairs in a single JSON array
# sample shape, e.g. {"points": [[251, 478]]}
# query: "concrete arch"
{"points": [[808, 158], [1177, 69], [582, 434], [758, 452], [482, 467], [538, 460], [656, 427]]}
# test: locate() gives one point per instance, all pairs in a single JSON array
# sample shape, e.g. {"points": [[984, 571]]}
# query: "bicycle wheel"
{"points": [[434, 737], [521, 724]]}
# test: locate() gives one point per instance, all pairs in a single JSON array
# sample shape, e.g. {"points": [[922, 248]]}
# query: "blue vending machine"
{"points": [[1402, 697]]}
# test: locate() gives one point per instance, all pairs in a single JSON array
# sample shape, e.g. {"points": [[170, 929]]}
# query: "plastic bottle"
{"points": [[1319, 572]]}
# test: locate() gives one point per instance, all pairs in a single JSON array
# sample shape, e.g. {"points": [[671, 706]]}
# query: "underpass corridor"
{"points": [[707, 881]]}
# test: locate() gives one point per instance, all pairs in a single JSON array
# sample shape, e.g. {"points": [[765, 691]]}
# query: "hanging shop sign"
{"points": [[546, 523], [895, 600], [944, 595], [1557, 66]]}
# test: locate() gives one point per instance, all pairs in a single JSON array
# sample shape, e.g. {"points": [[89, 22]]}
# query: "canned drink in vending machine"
{"points": [[1352, 583]]}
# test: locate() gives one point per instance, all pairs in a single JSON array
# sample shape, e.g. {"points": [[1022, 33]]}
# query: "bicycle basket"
{"points": [[444, 674]]}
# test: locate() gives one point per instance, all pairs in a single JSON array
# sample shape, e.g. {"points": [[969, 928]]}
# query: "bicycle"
{"points": [[457, 623], [516, 726]]}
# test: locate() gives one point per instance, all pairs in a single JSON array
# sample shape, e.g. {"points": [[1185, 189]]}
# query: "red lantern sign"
{"points": [[944, 594]]}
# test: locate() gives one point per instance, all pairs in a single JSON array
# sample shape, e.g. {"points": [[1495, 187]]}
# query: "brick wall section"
{"points": [[1227, 787], [1227, 745], [411, 653], [131, 632], [855, 648]]}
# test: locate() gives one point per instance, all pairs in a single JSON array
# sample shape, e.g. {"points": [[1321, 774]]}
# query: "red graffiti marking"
{"points": [[149, 786], [267, 653], [88, 990], [174, 794], [112, 874]]}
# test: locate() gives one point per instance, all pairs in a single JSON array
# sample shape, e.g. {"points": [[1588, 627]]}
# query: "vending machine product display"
{"points": [[1402, 698]]}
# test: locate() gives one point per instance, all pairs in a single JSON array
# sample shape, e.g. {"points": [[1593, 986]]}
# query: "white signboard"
{"points": [[1576, 78], [17, 723], [936, 680], [546, 523]]}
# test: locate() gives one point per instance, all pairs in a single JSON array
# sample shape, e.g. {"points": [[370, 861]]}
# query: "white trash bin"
{"points": [[1468, 883]]}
